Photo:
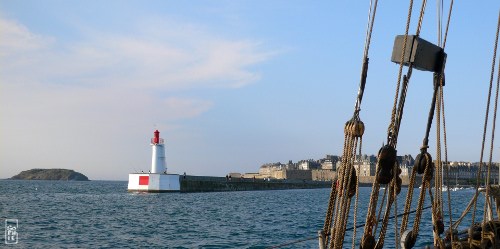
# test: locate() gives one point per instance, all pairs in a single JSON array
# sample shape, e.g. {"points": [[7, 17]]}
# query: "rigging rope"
{"points": [[437, 213], [400, 71], [368, 240], [396, 212], [344, 197], [393, 131], [364, 69], [464, 213], [357, 197], [447, 169], [347, 180], [441, 83], [340, 196], [486, 118], [487, 206], [315, 237]]}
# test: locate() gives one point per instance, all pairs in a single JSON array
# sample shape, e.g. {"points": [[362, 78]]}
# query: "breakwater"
{"points": [[221, 184], [191, 183]]}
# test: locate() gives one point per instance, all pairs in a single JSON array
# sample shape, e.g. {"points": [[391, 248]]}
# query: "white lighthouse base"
{"points": [[153, 183]]}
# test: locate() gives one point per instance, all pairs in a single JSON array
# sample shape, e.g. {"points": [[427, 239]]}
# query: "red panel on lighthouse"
{"points": [[143, 180]]}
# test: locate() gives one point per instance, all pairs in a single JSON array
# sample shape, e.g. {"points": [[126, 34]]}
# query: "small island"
{"points": [[50, 174]]}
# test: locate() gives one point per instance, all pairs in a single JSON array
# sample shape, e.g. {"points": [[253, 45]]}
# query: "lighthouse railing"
{"points": [[157, 141]]}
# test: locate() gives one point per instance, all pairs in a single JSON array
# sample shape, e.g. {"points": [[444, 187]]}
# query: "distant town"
{"points": [[325, 169]]}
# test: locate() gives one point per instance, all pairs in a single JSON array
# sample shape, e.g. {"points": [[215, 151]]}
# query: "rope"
{"points": [[486, 118], [467, 209], [345, 198], [342, 235], [369, 28], [444, 126], [446, 163], [425, 184], [409, 198], [439, 21], [357, 197], [341, 194], [408, 75], [395, 124], [334, 202], [364, 68], [438, 179], [447, 24], [331, 204], [421, 17], [315, 237], [340, 201], [396, 208], [397, 114], [339, 186], [400, 71], [437, 210], [404, 90], [380, 209], [371, 221], [383, 229], [433, 216], [492, 136]]}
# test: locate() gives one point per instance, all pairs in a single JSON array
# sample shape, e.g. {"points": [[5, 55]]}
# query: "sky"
{"points": [[231, 85]]}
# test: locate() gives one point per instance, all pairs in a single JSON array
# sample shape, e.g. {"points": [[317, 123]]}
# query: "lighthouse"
{"points": [[158, 163], [157, 179]]}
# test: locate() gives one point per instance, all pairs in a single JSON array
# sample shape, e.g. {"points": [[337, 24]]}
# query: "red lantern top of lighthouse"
{"points": [[156, 139]]}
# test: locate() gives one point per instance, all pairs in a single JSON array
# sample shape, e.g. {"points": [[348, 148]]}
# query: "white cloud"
{"points": [[102, 87], [173, 62], [17, 38]]}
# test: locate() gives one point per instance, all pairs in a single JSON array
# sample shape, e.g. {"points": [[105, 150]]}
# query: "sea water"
{"points": [[102, 214]]}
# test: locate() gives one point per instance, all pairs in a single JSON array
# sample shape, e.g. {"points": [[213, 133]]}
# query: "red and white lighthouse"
{"points": [[158, 162], [157, 180]]}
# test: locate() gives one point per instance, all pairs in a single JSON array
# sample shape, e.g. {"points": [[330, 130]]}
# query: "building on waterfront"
{"points": [[309, 164], [406, 163], [329, 162], [366, 165], [320, 170], [468, 171], [325, 169], [267, 169]]}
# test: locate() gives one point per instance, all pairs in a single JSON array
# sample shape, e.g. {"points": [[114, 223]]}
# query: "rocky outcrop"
{"points": [[50, 174]]}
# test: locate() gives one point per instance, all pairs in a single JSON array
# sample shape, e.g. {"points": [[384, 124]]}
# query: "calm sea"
{"points": [[101, 214]]}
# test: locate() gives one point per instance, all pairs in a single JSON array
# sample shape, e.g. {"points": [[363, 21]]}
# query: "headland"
{"points": [[50, 174]]}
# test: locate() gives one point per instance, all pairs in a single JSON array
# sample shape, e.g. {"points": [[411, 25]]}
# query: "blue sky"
{"points": [[230, 84]]}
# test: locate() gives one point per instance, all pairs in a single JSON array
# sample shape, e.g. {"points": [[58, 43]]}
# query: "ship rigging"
{"points": [[412, 52]]}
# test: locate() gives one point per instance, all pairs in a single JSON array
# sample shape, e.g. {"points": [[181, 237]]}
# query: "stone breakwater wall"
{"points": [[221, 184]]}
